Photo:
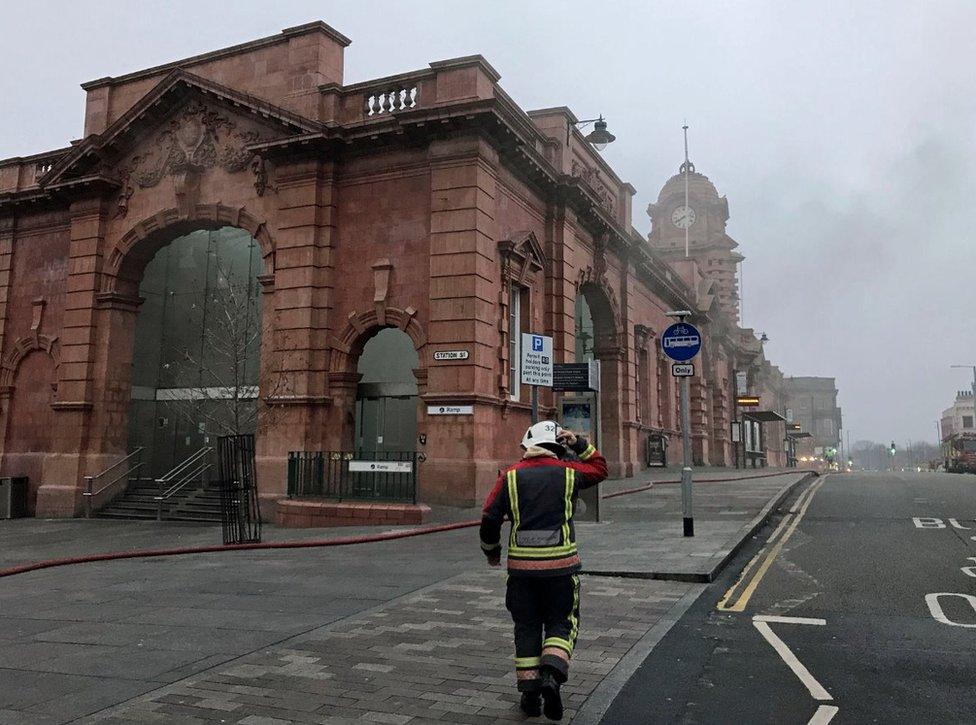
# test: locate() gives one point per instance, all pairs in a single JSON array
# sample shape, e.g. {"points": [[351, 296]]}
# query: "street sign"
{"points": [[451, 355], [682, 370], [536, 360], [736, 431], [450, 410], [747, 401], [681, 341], [576, 377], [381, 466], [741, 382]]}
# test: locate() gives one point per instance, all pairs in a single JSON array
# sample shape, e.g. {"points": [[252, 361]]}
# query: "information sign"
{"points": [[576, 377], [536, 360], [451, 355], [683, 370], [381, 466], [450, 410], [681, 341]]}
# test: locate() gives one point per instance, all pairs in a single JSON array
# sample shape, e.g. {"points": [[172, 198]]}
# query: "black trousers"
{"points": [[540, 605]]}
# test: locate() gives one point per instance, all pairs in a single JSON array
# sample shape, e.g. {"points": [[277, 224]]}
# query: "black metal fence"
{"points": [[360, 476], [240, 513]]}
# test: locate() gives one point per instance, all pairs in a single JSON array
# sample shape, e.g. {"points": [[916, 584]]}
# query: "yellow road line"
{"points": [[743, 599], [759, 555]]}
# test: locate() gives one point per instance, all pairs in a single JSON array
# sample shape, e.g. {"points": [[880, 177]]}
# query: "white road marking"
{"points": [[823, 715], [817, 690], [935, 608], [787, 620]]}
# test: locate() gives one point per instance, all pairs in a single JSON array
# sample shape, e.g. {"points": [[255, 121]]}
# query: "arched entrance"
{"points": [[197, 339], [28, 442], [386, 395], [596, 339]]}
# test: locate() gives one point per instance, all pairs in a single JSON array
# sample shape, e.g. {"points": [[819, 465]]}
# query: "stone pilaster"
{"points": [[464, 284], [297, 414]]}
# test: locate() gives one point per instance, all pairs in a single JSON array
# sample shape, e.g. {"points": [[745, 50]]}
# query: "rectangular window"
{"points": [[518, 317], [967, 421]]}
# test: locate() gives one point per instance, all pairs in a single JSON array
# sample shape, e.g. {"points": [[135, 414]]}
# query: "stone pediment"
{"points": [[184, 124]]}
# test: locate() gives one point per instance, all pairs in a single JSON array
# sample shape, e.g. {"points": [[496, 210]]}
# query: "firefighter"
{"points": [[539, 496]]}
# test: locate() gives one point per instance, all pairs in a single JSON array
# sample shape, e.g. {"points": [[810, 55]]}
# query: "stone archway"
{"points": [[344, 375], [139, 245], [198, 330], [28, 374], [599, 338]]}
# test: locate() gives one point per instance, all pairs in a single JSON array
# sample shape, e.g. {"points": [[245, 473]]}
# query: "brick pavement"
{"points": [[77, 640], [442, 654]]}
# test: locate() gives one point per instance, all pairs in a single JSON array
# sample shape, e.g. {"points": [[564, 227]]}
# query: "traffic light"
{"points": [[892, 448]]}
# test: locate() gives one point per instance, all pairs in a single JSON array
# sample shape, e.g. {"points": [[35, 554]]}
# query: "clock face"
{"points": [[683, 217]]}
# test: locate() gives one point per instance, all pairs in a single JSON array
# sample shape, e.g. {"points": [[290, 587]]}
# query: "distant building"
{"points": [[959, 417], [813, 403]]}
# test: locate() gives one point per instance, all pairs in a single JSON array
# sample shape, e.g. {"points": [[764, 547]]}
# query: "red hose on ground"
{"points": [[313, 543]]}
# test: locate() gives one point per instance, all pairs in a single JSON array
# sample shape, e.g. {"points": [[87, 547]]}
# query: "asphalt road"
{"points": [[855, 567]]}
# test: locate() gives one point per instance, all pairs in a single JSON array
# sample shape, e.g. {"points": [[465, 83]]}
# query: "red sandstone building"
{"points": [[370, 226]]}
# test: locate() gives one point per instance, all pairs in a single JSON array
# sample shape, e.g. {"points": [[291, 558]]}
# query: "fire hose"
{"points": [[312, 543]]}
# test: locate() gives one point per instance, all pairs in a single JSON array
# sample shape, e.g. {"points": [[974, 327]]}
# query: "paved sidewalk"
{"points": [[412, 630]]}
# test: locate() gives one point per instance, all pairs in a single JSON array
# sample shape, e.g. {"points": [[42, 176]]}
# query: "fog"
{"points": [[842, 134]]}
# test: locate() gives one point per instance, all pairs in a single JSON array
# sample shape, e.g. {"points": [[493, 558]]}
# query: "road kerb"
{"points": [[741, 537], [602, 697]]}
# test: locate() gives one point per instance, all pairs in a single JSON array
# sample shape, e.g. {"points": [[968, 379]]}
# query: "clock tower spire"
{"points": [[688, 222]]}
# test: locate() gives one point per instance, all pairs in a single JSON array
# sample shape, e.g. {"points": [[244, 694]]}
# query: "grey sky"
{"points": [[842, 134]]}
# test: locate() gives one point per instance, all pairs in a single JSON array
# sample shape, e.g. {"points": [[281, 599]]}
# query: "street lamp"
{"points": [[599, 137], [763, 340], [974, 389]]}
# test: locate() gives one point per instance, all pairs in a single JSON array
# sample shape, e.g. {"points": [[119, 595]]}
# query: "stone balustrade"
{"points": [[390, 101]]}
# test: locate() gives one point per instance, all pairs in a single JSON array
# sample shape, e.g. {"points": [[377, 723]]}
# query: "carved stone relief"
{"points": [[196, 139]]}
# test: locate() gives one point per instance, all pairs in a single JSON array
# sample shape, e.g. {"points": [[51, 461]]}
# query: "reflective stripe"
{"points": [[574, 620], [514, 505], [569, 505], [489, 547], [560, 643], [588, 453], [528, 661], [542, 552]]}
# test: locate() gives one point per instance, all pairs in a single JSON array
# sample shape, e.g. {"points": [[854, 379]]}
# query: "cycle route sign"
{"points": [[681, 341]]}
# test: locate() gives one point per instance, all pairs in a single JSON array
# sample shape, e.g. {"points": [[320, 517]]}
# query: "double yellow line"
{"points": [[738, 595]]}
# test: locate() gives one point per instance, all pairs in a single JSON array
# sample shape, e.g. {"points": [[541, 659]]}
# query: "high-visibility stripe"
{"points": [[489, 547], [542, 552], [526, 662], [588, 453], [514, 505], [569, 504], [574, 620], [559, 642]]}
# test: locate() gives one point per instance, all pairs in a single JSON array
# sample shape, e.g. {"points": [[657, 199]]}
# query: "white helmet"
{"points": [[543, 434]]}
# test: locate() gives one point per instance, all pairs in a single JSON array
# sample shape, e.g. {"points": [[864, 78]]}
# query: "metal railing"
{"points": [[127, 470], [360, 476], [180, 476], [240, 511]]}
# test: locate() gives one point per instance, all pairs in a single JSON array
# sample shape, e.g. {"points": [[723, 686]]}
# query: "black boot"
{"points": [[552, 703], [531, 704]]}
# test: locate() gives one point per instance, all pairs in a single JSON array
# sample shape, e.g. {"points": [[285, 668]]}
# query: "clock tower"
{"points": [[704, 217]]}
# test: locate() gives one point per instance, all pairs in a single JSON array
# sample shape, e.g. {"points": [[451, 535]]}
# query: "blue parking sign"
{"points": [[681, 341], [537, 343]]}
